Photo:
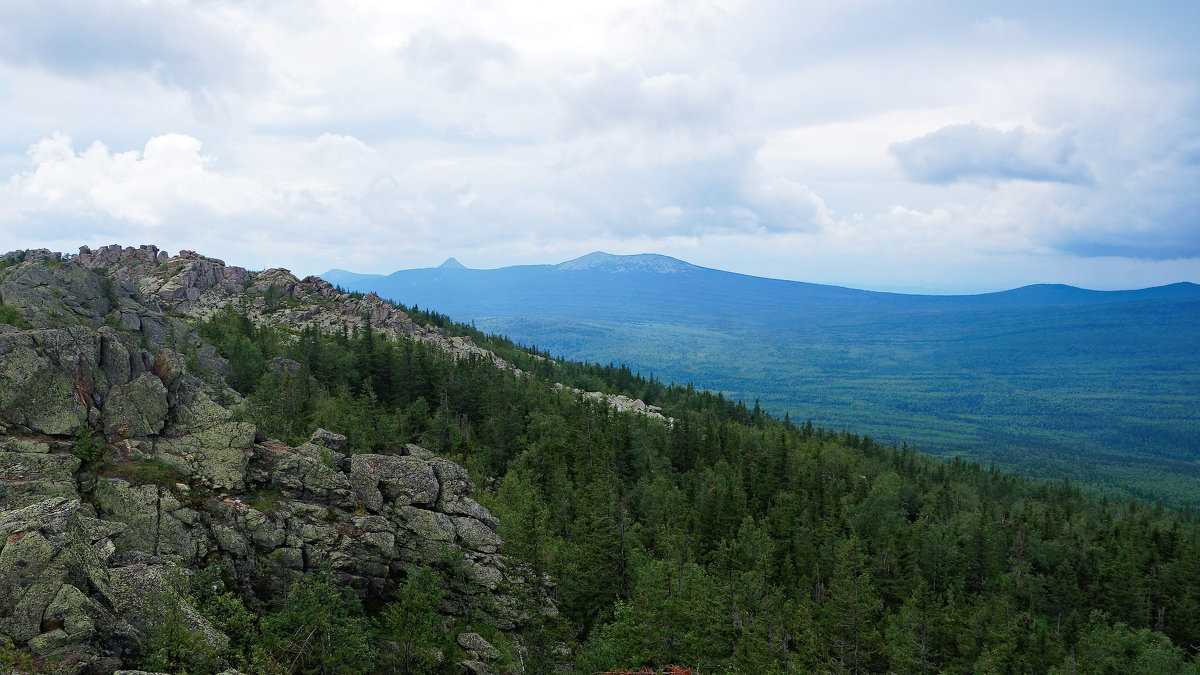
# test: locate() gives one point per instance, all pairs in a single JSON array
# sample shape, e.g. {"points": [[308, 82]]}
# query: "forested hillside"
{"points": [[733, 541], [719, 539]]}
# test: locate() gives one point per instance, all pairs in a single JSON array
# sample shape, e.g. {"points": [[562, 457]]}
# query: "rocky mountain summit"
{"points": [[197, 286], [124, 464], [642, 262]]}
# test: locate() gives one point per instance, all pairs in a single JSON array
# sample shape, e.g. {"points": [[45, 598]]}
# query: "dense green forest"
{"points": [[728, 540]]}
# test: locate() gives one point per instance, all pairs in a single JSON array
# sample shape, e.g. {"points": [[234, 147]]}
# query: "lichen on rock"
{"points": [[91, 552]]}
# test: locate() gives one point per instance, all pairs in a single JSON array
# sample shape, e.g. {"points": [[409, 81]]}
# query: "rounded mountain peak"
{"points": [[642, 262]]}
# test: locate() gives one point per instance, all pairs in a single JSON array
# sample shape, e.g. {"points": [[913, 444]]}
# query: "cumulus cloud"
{"points": [[781, 204], [974, 152], [144, 187]]}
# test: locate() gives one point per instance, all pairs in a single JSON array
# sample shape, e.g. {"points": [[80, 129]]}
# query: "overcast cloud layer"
{"points": [[941, 145]]}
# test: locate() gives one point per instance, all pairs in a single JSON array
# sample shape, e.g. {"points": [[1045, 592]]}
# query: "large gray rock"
{"points": [[155, 521], [476, 536], [68, 624], [399, 481], [46, 379], [145, 593], [136, 408], [474, 642], [301, 474], [215, 457], [328, 439], [134, 506], [43, 547], [191, 408], [200, 438], [265, 532], [120, 359], [56, 294], [22, 445], [30, 477]]}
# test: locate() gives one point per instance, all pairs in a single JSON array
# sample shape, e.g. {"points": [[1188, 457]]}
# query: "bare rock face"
{"points": [[101, 362], [198, 287], [29, 477], [47, 379], [403, 481], [406, 523], [137, 407], [97, 569], [61, 597]]}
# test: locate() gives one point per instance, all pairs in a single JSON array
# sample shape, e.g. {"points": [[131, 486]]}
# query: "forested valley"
{"points": [[730, 541]]}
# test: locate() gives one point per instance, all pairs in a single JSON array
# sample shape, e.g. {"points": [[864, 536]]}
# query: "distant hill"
{"points": [[644, 286], [1034, 378]]}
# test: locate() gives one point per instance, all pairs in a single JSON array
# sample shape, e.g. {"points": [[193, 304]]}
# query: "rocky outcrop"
{"points": [[137, 407], [61, 596], [198, 286], [57, 382], [84, 581], [48, 379], [92, 554], [619, 402], [369, 519], [29, 473], [102, 360]]}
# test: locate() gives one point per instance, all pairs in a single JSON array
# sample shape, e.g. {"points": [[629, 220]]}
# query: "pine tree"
{"points": [[851, 611], [413, 622]]}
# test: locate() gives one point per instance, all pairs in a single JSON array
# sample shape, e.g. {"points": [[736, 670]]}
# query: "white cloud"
{"points": [[167, 178], [781, 204], [624, 94]]}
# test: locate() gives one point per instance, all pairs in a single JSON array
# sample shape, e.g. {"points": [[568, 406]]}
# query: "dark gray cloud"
{"points": [[965, 152], [177, 44]]}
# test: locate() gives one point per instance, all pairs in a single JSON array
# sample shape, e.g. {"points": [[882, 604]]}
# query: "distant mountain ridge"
{"points": [[528, 290], [1036, 378]]}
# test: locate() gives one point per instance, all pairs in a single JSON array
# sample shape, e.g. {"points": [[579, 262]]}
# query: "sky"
{"points": [[943, 146]]}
